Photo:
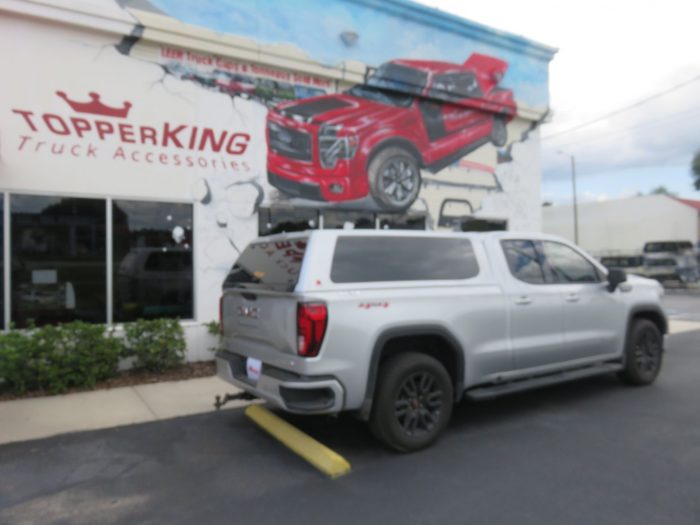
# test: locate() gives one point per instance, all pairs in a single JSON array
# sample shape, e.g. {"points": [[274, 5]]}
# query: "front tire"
{"points": [[394, 178], [413, 402], [643, 353]]}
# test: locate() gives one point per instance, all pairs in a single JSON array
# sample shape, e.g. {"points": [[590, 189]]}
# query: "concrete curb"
{"points": [[40, 417]]}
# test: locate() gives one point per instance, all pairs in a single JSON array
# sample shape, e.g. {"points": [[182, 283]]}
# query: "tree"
{"points": [[696, 170], [662, 190]]}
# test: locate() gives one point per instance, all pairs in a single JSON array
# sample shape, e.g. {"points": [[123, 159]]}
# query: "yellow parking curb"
{"points": [[319, 455]]}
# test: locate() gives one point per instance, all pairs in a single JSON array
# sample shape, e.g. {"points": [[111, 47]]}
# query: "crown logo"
{"points": [[95, 106]]}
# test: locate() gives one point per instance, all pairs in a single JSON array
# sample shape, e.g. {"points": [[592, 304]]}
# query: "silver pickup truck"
{"points": [[397, 326]]}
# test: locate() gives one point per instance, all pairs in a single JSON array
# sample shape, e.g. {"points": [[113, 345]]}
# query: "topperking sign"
{"points": [[92, 129]]}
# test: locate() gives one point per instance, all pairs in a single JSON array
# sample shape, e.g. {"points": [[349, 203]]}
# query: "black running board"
{"points": [[500, 389]]}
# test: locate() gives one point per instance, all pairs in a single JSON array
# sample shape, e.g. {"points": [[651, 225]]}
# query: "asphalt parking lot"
{"points": [[589, 452]]}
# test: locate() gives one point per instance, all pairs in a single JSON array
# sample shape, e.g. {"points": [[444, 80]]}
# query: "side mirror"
{"points": [[616, 277]]}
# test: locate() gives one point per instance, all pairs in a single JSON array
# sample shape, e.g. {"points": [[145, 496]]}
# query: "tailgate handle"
{"points": [[249, 296]]}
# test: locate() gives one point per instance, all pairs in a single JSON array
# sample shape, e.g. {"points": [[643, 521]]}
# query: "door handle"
{"points": [[523, 300], [572, 298]]}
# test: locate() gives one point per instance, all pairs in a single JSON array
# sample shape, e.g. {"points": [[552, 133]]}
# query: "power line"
{"points": [[673, 117], [626, 108]]}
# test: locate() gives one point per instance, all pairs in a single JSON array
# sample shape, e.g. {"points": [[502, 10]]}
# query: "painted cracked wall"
{"points": [[128, 117]]}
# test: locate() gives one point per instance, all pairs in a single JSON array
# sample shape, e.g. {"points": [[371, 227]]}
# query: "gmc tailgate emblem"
{"points": [[248, 311]]}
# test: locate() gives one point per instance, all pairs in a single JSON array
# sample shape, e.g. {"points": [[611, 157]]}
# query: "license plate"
{"points": [[253, 367]]}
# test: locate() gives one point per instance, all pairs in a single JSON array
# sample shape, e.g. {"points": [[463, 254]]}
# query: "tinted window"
{"points": [[58, 260], [152, 258], [455, 86], [269, 265], [372, 259], [567, 265], [523, 261], [398, 78]]}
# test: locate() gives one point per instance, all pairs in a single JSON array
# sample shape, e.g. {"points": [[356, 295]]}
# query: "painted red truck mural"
{"points": [[377, 136]]}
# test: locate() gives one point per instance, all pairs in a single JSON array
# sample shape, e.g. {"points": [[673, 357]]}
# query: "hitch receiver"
{"points": [[245, 396]]}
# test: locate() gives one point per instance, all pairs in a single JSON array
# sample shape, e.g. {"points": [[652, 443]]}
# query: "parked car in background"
{"points": [[672, 261], [376, 137], [274, 91], [632, 264], [397, 326]]}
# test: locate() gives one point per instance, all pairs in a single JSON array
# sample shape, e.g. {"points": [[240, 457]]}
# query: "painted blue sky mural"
{"points": [[314, 26]]}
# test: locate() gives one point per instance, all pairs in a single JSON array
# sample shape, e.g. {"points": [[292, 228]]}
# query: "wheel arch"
{"points": [[651, 312], [399, 142], [433, 340]]}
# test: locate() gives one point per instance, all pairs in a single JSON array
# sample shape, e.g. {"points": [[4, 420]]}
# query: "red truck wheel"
{"points": [[394, 178]]}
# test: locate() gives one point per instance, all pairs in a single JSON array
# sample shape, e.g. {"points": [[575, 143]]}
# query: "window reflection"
{"points": [[152, 254], [58, 260]]}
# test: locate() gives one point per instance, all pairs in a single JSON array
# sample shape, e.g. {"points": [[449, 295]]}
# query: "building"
{"points": [[624, 225], [142, 145]]}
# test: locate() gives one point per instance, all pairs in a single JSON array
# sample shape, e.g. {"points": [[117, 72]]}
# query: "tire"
{"points": [[394, 178], [499, 132], [643, 353], [412, 403]]}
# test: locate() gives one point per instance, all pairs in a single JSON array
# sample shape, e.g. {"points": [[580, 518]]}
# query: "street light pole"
{"points": [[573, 183]]}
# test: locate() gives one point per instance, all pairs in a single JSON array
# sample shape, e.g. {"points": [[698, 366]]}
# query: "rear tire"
{"points": [[413, 402], [643, 353], [499, 132]]}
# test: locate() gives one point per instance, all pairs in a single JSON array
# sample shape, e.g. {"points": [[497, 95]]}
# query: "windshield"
{"points": [[381, 95]]}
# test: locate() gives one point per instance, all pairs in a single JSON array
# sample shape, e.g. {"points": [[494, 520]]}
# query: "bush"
{"points": [[157, 344], [55, 358]]}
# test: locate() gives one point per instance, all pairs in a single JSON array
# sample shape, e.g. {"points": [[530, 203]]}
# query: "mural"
{"points": [[368, 133]]}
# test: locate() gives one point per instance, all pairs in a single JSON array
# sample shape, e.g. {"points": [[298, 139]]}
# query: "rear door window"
{"points": [[268, 265], [375, 259]]}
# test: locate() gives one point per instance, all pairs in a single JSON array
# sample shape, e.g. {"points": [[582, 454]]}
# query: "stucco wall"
{"points": [[624, 225]]}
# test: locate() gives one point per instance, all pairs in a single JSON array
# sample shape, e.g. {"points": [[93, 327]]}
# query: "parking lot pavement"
{"points": [[590, 452]]}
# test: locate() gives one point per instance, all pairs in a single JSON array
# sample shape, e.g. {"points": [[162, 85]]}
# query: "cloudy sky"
{"points": [[611, 55]]}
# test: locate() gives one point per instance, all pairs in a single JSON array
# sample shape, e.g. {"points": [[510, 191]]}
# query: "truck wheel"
{"points": [[394, 179], [499, 132], [413, 402], [643, 353]]}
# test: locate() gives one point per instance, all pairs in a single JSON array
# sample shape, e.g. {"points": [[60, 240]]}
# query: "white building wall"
{"points": [[624, 225]]}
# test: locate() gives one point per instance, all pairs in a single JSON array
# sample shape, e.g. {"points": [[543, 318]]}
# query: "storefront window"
{"points": [[58, 260], [152, 260], [285, 220]]}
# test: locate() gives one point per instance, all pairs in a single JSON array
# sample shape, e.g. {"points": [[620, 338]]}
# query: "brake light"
{"points": [[221, 315], [312, 319]]}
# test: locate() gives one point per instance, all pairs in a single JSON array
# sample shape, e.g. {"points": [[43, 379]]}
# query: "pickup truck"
{"points": [[398, 326]]}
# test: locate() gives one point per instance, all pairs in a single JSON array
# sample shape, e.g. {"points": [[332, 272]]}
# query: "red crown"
{"points": [[95, 106]]}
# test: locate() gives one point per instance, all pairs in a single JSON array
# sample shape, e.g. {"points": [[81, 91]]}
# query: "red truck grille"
{"points": [[289, 142]]}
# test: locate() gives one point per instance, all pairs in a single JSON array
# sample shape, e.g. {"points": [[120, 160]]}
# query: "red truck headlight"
{"points": [[333, 146], [312, 319]]}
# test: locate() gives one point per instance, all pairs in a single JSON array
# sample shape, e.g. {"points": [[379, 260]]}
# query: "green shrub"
{"points": [[156, 344], [55, 358]]}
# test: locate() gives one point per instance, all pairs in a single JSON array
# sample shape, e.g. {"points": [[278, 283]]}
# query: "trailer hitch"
{"points": [[221, 401]]}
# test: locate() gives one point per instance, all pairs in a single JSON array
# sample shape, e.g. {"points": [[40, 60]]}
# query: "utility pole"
{"points": [[573, 183]]}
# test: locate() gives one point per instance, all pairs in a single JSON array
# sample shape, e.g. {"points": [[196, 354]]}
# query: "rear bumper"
{"points": [[286, 390]]}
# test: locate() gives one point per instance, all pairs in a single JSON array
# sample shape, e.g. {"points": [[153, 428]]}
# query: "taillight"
{"points": [[312, 319], [221, 315]]}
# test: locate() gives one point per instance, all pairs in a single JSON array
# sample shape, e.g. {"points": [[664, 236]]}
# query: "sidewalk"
{"points": [[40, 417]]}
